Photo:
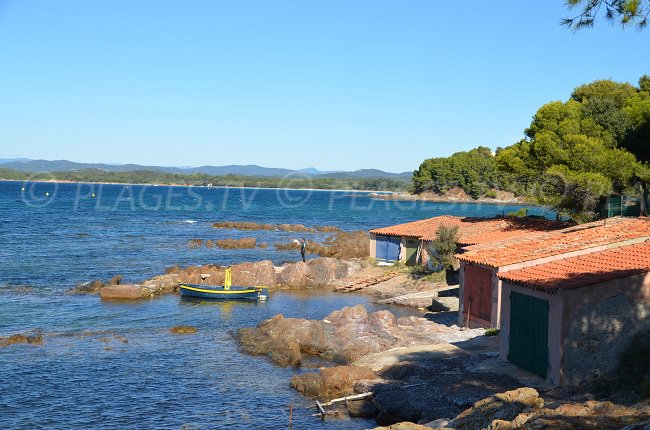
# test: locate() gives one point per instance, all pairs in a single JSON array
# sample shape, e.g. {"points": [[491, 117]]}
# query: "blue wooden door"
{"points": [[387, 248], [392, 253], [381, 247]]}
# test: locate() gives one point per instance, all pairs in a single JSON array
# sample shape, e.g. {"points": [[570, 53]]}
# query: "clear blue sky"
{"points": [[339, 85]]}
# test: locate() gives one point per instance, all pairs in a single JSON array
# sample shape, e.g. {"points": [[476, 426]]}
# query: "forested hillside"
{"points": [[574, 152], [198, 179]]}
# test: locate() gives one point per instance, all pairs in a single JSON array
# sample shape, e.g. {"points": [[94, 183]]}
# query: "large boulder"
{"points": [[295, 275], [260, 273], [316, 272], [342, 337], [331, 382], [325, 271], [125, 292], [283, 339]]}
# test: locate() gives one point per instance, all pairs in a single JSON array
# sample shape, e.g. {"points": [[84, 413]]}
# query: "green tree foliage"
{"points": [[637, 109], [624, 12], [199, 179], [573, 153], [443, 248], [582, 149], [474, 171]]}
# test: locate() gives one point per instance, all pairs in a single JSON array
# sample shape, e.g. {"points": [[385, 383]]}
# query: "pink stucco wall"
{"points": [[497, 285]]}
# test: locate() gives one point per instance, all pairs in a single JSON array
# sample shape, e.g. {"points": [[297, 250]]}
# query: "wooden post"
{"points": [[469, 312], [290, 414]]}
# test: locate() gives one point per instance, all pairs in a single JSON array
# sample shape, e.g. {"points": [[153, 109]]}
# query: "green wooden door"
{"points": [[529, 333], [412, 251]]}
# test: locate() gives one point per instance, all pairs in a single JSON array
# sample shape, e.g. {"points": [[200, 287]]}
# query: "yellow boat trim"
{"points": [[200, 290]]}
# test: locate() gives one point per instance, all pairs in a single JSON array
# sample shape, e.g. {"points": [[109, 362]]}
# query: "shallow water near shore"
{"points": [[110, 365], [116, 365]]}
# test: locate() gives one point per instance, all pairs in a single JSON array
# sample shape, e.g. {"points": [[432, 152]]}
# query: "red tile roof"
{"points": [[581, 237], [418, 228], [583, 270], [471, 230]]}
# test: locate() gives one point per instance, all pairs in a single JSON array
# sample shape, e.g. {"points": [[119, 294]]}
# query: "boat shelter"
{"points": [[571, 320], [481, 265], [403, 242], [412, 242]]}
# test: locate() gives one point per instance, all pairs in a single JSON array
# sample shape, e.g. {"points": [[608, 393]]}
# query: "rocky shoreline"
{"points": [[413, 372], [314, 273], [455, 195]]}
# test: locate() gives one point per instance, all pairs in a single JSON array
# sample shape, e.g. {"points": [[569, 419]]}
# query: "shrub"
{"points": [[442, 249], [492, 331]]}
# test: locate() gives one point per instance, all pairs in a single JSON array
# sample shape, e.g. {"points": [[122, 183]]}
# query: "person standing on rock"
{"points": [[303, 248]]}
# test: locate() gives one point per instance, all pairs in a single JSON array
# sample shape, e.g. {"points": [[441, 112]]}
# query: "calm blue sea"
{"points": [[115, 365]]}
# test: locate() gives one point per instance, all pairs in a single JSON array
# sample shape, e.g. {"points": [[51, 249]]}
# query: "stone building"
{"points": [[481, 265], [409, 242], [570, 320]]}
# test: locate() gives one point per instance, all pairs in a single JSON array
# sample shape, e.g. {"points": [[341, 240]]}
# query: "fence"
{"points": [[625, 205]]}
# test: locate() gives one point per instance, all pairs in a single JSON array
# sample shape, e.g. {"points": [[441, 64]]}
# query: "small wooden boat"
{"points": [[220, 292], [223, 292]]}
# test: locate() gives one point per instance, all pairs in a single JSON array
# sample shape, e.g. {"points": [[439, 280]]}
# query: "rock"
{"points": [[125, 292], [21, 338], [404, 426], [91, 287], [440, 423], [167, 283], [502, 406], [342, 337], [260, 273], [295, 275], [431, 387], [331, 382], [283, 339], [363, 408], [522, 408], [243, 243], [183, 329], [317, 272], [286, 354], [115, 280], [173, 269], [326, 270]]}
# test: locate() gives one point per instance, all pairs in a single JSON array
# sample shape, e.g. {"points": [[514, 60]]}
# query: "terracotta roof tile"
{"points": [[418, 228], [581, 237], [471, 230], [583, 270]]}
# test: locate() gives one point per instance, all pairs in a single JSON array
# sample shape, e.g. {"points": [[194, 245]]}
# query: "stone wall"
{"points": [[600, 322]]}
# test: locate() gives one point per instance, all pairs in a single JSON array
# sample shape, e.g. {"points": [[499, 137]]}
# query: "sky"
{"points": [[336, 85]]}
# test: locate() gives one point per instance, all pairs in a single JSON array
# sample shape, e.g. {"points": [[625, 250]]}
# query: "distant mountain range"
{"points": [[27, 165]]}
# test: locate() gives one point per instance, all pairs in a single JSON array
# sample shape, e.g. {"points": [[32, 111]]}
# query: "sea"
{"points": [[107, 365]]}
